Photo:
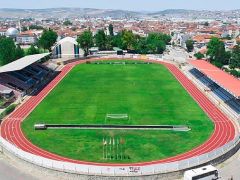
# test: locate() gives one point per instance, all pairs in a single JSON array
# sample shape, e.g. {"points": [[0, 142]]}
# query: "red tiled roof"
{"points": [[27, 33], [223, 79], [203, 37]]}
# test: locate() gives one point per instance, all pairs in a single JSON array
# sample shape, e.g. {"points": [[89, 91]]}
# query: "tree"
{"points": [[109, 43], [7, 50], [36, 27], [235, 57], [165, 37], [216, 51], [24, 28], [189, 45], [48, 39], [73, 28], [128, 39], [101, 40], [156, 43], [117, 41], [161, 47], [199, 55], [19, 53], [234, 72], [85, 41], [110, 29], [206, 23], [32, 50], [67, 23], [140, 45]]}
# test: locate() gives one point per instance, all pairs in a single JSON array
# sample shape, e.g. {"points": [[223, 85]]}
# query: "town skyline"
{"points": [[149, 5]]}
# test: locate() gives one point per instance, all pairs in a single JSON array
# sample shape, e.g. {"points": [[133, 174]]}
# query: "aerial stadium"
{"points": [[117, 113], [116, 116]]}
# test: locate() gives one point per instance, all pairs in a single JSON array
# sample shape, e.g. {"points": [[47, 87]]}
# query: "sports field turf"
{"points": [[148, 93]]}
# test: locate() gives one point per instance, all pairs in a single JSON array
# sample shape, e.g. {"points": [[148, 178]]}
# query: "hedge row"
{"points": [[8, 110], [233, 72]]}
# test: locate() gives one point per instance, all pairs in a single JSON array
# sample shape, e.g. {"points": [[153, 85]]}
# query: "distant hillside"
{"points": [[91, 12], [65, 13], [196, 14], [173, 11]]}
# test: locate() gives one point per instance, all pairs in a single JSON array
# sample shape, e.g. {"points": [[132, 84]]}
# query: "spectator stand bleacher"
{"points": [[221, 89], [24, 75]]}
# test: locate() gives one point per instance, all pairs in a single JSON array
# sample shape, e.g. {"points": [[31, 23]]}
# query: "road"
{"points": [[9, 172], [176, 54]]}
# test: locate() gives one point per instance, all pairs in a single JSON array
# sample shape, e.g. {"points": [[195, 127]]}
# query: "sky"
{"points": [[135, 5]]}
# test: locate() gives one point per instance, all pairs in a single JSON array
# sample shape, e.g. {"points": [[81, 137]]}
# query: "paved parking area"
{"points": [[9, 172], [230, 168]]}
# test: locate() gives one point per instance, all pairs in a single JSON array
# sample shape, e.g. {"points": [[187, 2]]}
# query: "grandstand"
{"points": [[221, 84], [24, 75]]}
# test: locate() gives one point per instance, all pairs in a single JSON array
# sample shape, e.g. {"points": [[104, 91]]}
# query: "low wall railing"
{"points": [[122, 170]]}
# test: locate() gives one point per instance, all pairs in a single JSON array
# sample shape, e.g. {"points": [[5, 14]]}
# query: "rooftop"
{"points": [[220, 77], [22, 63]]}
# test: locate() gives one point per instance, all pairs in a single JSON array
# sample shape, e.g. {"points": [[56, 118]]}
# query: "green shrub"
{"points": [[232, 66], [218, 64], [8, 110], [199, 55], [235, 73]]}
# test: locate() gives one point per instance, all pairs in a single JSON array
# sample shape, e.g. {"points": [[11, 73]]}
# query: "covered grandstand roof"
{"points": [[68, 39], [22, 63], [223, 79]]}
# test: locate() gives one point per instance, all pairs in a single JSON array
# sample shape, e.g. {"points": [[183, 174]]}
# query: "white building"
{"points": [[27, 38], [3, 32], [67, 48]]}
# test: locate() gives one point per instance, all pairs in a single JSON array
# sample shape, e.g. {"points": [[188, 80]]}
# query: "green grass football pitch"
{"points": [[149, 94]]}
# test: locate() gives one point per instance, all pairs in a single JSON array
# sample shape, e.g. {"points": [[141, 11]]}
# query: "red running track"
{"points": [[224, 130]]}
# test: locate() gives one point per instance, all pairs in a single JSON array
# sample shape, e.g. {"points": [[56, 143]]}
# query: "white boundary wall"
{"points": [[117, 170]]}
